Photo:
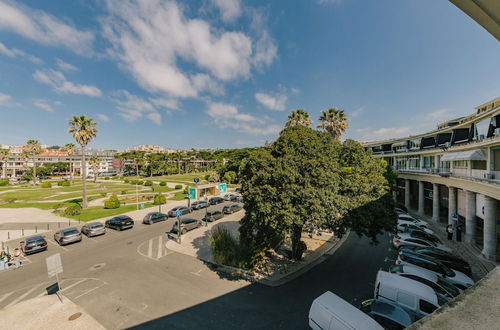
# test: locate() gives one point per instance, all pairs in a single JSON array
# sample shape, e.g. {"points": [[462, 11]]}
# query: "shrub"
{"points": [[72, 210], [185, 191], [46, 185], [163, 183], [126, 180], [178, 186], [104, 194], [227, 250], [58, 206], [124, 192], [4, 182], [106, 178], [112, 203], [159, 199], [63, 183], [148, 183]]}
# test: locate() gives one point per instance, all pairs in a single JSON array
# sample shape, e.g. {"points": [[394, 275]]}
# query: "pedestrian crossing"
{"points": [[73, 288], [154, 248]]}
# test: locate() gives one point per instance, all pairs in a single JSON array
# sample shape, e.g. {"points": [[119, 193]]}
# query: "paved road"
{"points": [[126, 279]]}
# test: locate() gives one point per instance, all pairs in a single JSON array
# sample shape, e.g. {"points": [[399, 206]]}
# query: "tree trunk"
{"points": [[34, 171], [4, 169], [71, 170], [84, 179], [297, 249]]}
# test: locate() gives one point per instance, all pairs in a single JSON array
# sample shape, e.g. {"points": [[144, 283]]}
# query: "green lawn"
{"points": [[42, 206], [97, 212], [178, 196], [158, 188]]}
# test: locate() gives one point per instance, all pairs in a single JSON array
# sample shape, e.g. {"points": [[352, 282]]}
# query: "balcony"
{"points": [[461, 173]]}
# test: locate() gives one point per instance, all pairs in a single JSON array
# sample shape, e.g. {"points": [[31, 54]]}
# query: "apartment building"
{"points": [[452, 174]]}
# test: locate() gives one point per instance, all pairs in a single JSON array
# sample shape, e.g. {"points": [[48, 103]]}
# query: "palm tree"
{"points": [[70, 149], [4, 157], [95, 162], [33, 149], [83, 130], [298, 117], [333, 121]]}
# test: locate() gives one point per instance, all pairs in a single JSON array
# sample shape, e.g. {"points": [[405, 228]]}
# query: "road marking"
{"points": [[21, 297], [89, 291], [62, 247], [72, 285], [197, 273], [5, 296], [160, 247], [150, 249]]}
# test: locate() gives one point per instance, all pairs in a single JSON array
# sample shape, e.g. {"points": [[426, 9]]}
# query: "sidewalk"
{"points": [[480, 266], [47, 312]]}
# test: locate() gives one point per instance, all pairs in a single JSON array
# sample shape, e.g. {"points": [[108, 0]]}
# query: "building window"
{"points": [[460, 164], [478, 164]]}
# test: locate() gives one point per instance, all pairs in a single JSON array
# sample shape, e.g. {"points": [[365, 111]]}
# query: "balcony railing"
{"points": [[469, 174]]}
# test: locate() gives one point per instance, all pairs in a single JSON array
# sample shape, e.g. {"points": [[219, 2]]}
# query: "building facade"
{"points": [[452, 174]]}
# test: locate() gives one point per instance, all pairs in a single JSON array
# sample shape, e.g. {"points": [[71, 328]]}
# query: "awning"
{"points": [[478, 154]]}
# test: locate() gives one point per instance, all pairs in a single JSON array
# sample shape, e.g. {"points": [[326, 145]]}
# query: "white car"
{"points": [[404, 226], [438, 283], [405, 239], [407, 217], [459, 279], [400, 211]]}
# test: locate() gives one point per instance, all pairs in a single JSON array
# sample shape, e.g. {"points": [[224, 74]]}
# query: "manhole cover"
{"points": [[74, 316], [97, 266], [130, 243]]}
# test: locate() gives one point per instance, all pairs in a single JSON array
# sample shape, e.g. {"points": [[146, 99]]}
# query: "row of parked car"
{"points": [[426, 275], [121, 222]]}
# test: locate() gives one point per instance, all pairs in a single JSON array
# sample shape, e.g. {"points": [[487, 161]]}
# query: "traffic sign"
{"points": [[178, 213], [54, 264], [196, 180], [222, 188], [192, 193]]}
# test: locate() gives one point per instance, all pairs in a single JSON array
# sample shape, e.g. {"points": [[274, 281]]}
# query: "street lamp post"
{"points": [[206, 211]]}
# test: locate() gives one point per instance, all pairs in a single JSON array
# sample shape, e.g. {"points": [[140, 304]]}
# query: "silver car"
{"points": [[67, 235], [93, 229], [187, 224]]}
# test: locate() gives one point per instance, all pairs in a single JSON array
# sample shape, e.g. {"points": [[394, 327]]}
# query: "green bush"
{"points": [[159, 199], [46, 185], [148, 183], [227, 250], [72, 210], [106, 178], [124, 192], [163, 183], [63, 183], [58, 206], [104, 194], [178, 186], [4, 182], [126, 180], [112, 203]]}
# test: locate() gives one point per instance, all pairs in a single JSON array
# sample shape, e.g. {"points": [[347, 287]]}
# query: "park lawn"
{"points": [[27, 195], [178, 196], [97, 212], [42, 206], [158, 188]]}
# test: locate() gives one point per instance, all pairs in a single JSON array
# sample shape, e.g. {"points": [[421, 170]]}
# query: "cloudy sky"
{"points": [[226, 73]]}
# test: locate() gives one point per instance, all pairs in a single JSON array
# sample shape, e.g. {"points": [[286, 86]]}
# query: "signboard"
{"points": [[222, 188], [196, 180], [54, 264], [178, 213], [192, 193]]}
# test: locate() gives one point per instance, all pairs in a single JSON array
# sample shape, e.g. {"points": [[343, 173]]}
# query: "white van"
{"points": [[330, 312], [410, 294]]}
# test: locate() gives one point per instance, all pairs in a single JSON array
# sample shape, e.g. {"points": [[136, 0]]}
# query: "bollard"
{"points": [[36, 229], [69, 222], [47, 226], [22, 231], [58, 225], [8, 235]]}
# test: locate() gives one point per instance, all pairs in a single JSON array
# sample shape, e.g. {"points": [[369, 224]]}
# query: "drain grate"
{"points": [[74, 316], [97, 266]]}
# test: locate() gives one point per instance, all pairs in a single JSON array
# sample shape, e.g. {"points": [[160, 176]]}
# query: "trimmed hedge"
{"points": [[4, 182], [46, 185], [148, 183], [64, 183], [178, 186], [163, 183], [126, 180], [112, 203]]}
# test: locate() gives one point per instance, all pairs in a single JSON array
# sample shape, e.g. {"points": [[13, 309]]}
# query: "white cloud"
{"points": [[66, 66], [44, 105], [102, 117], [227, 116], [14, 52], [439, 115], [150, 38], [58, 81], [41, 27], [5, 99], [230, 9], [356, 113], [367, 134], [272, 101]]}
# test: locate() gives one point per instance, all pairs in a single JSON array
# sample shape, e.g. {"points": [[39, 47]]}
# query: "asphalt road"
{"points": [[128, 279]]}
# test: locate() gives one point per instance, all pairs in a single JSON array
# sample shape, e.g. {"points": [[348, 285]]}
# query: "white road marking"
{"points": [[160, 247], [197, 273], [72, 285], [5, 296], [89, 291], [21, 297], [150, 249]]}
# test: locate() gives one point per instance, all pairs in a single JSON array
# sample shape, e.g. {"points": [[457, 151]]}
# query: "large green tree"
{"points": [[333, 121], [83, 130], [307, 180]]}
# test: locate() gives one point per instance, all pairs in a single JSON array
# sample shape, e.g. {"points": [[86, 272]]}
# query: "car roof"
{"points": [[397, 281], [393, 312], [34, 238], [420, 272], [69, 228]]}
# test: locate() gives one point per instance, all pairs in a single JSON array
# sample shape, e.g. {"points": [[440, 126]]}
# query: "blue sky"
{"points": [[226, 73]]}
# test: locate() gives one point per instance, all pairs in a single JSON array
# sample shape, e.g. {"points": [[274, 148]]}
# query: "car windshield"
{"points": [[450, 288], [33, 243], [95, 225], [70, 232], [448, 272]]}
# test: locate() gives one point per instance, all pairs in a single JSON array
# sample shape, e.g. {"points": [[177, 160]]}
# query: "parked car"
{"points": [[425, 236], [240, 199], [120, 222], [388, 314], [406, 227], [407, 217], [399, 211], [183, 209], [198, 205], [330, 312], [34, 244], [440, 284], [412, 295], [153, 217], [412, 222], [459, 279], [67, 235], [187, 224], [405, 240], [448, 259], [228, 209], [216, 200], [93, 229], [231, 197], [213, 215]]}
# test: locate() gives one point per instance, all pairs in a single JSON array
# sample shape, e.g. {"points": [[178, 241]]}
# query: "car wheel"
{"points": [[183, 231]]}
